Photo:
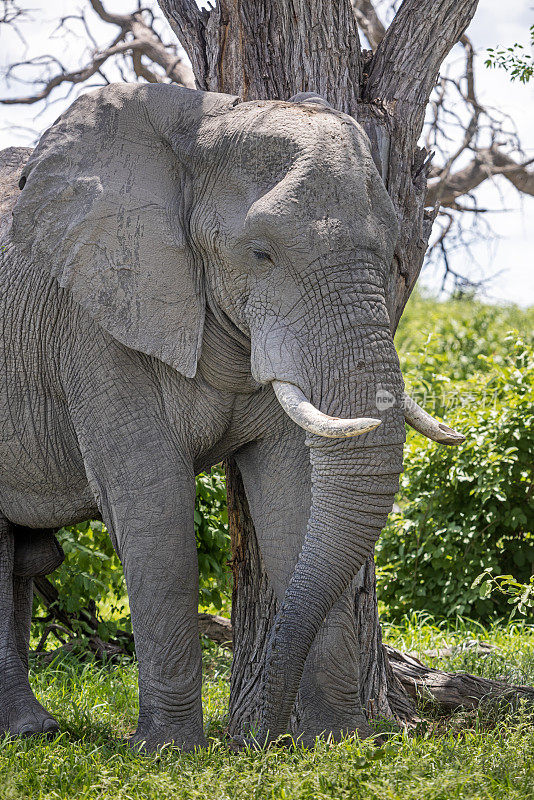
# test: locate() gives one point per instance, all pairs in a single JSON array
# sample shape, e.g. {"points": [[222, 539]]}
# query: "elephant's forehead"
{"points": [[294, 165], [271, 131]]}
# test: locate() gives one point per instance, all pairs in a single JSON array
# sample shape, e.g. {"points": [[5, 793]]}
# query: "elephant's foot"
{"points": [[320, 717], [150, 739], [21, 714]]}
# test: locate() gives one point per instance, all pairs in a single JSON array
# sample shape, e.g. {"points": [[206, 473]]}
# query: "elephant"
{"points": [[187, 277]]}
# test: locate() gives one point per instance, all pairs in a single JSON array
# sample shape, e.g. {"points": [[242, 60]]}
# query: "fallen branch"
{"points": [[450, 690], [218, 629], [93, 644]]}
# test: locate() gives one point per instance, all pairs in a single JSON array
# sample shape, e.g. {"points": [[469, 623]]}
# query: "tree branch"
{"points": [[150, 45], [369, 21], [78, 76], [11, 15], [189, 23], [144, 41], [106, 16], [451, 690], [487, 163], [406, 64]]}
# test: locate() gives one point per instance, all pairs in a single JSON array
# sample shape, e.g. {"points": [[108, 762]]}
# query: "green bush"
{"points": [[466, 509], [90, 578], [213, 540], [441, 342]]}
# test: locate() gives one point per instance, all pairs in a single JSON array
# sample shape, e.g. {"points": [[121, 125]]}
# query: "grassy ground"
{"points": [[487, 754]]}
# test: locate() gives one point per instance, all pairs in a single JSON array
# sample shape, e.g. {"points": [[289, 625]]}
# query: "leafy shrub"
{"points": [[213, 540], [441, 342], [520, 595], [90, 578], [468, 509]]}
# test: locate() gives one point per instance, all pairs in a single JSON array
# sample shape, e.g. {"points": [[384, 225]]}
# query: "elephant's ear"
{"points": [[310, 97], [104, 208]]}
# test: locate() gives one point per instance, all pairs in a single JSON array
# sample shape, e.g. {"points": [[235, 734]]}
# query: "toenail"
{"points": [[50, 726], [28, 730]]}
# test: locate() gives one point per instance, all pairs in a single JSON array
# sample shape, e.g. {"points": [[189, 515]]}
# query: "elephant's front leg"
{"points": [[277, 478], [161, 569], [149, 508]]}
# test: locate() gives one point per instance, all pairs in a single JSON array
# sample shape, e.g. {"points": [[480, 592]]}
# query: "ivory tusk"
{"points": [[419, 419], [297, 407]]}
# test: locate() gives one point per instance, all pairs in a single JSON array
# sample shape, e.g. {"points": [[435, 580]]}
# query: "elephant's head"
{"points": [[150, 202]]}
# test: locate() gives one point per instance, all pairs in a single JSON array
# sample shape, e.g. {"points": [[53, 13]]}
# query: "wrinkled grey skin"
{"points": [[171, 253]]}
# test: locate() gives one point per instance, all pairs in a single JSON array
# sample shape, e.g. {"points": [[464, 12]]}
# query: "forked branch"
{"points": [[407, 61], [249, 39]]}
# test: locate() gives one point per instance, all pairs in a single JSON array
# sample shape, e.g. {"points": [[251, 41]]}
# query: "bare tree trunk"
{"points": [[254, 607], [272, 49]]}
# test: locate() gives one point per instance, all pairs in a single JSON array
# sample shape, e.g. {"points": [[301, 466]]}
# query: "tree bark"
{"points": [[273, 49]]}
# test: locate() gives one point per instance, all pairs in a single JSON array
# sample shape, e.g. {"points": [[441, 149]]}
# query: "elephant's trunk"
{"points": [[353, 487]]}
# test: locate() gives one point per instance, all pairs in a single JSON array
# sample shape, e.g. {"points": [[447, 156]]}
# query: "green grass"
{"points": [[480, 755]]}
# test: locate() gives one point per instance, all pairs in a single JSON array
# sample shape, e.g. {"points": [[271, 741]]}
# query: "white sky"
{"points": [[495, 23]]}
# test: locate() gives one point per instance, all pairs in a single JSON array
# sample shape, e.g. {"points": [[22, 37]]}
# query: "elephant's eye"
{"points": [[261, 255]]}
